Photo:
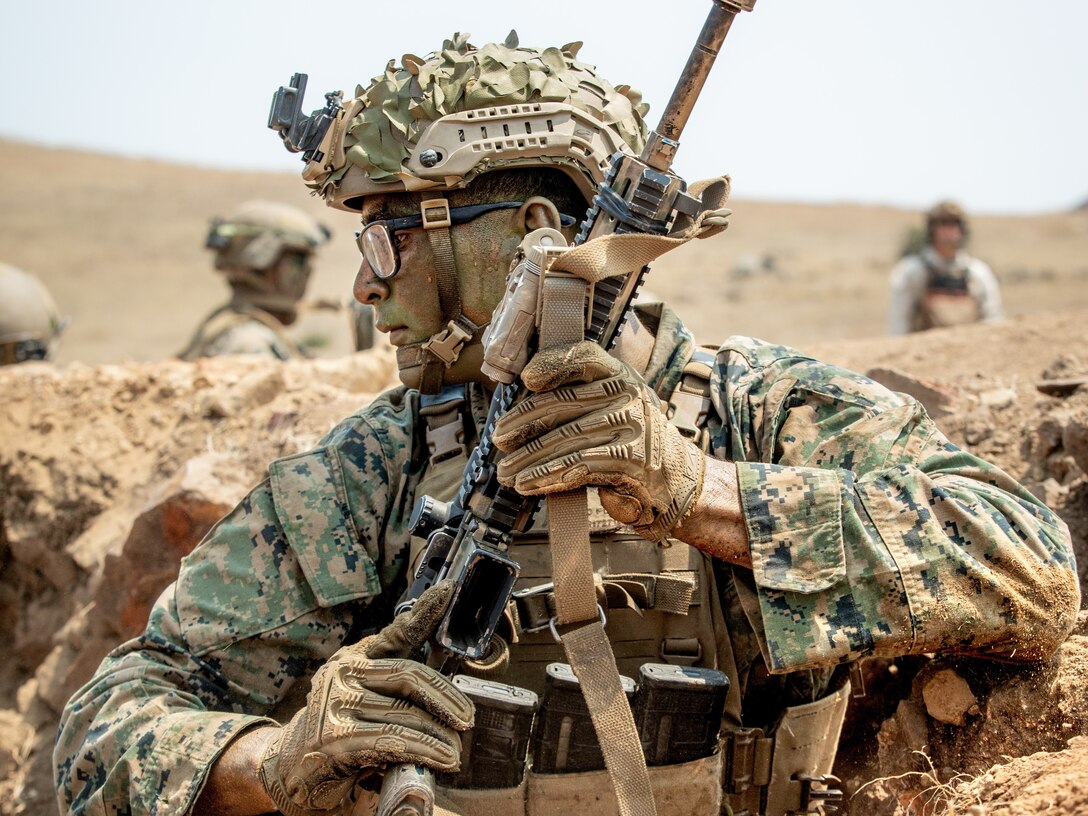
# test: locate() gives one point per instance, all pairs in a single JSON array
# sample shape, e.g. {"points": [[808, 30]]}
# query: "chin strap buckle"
{"points": [[447, 344]]}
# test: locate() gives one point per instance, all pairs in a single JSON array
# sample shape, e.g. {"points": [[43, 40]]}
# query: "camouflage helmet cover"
{"points": [[258, 232], [437, 123]]}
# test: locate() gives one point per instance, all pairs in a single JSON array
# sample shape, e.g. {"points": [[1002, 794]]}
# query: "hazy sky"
{"points": [[877, 101]]}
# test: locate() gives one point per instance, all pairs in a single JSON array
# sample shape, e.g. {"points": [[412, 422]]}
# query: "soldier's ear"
{"points": [[536, 213]]}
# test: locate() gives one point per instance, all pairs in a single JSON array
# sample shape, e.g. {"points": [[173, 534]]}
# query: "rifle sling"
{"points": [[584, 638]]}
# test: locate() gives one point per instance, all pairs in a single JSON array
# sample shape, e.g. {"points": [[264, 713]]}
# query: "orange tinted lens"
{"points": [[377, 247]]}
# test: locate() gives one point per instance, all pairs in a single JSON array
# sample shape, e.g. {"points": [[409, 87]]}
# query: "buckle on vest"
{"points": [[747, 760], [446, 441], [570, 627], [830, 797], [688, 413], [535, 607], [443, 413], [681, 651]]}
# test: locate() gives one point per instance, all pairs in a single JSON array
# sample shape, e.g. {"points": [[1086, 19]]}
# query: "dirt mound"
{"points": [[109, 475]]}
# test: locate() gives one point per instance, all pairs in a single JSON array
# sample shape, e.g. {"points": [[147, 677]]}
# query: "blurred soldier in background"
{"points": [[265, 251], [29, 323], [942, 285]]}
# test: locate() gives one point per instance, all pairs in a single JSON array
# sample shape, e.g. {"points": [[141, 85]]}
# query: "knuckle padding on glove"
{"points": [[608, 433], [411, 681], [540, 413]]}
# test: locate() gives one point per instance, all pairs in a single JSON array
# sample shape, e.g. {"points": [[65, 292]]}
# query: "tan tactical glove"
{"points": [[595, 422], [369, 706]]}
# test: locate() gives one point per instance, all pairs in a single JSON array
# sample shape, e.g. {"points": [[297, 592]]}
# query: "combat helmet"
{"points": [[945, 212], [29, 321], [434, 124], [252, 241]]}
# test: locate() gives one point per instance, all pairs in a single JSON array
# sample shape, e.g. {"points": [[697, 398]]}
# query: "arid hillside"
{"points": [[120, 243], [116, 461]]}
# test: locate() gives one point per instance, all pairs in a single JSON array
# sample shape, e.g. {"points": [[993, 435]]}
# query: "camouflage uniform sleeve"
{"points": [[278, 585], [870, 532]]}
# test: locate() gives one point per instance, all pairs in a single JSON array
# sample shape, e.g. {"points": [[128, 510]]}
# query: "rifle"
{"points": [[468, 538]]}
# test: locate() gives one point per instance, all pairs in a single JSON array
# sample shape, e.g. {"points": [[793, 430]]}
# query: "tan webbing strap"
{"points": [[587, 648], [443, 348], [620, 254], [572, 569], [436, 223], [614, 255]]}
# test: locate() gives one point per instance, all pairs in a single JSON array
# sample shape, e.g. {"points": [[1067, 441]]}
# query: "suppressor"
{"points": [[565, 740], [678, 711], [494, 750]]}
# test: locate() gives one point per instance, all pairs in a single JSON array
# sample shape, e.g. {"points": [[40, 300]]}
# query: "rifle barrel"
{"points": [[690, 83]]}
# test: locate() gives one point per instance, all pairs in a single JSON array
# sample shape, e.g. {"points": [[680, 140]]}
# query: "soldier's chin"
{"points": [[466, 368]]}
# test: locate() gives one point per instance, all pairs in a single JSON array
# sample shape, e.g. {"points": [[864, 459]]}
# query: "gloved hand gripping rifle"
{"points": [[469, 537]]}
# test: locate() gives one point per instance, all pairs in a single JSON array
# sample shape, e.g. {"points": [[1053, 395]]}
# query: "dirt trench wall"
{"points": [[109, 475]]}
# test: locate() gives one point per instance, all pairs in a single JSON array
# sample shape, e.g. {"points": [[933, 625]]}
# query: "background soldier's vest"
{"points": [[662, 606], [946, 300], [233, 316]]}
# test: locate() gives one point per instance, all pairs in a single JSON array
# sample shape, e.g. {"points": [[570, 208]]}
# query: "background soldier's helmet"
{"points": [[435, 124], [252, 242], [944, 212], [29, 322]]}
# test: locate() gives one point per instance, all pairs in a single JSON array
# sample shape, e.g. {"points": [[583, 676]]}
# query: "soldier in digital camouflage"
{"points": [[766, 514], [265, 250]]}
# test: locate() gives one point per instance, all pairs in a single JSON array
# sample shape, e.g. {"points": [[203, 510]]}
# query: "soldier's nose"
{"points": [[368, 287]]}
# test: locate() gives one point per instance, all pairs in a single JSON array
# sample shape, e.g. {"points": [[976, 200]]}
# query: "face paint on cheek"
{"points": [[483, 261], [411, 313]]}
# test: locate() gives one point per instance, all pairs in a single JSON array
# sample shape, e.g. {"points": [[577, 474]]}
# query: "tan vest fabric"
{"points": [[226, 331], [939, 309]]}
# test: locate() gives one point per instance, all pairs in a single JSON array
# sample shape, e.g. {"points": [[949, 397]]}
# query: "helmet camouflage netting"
{"points": [[544, 107]]}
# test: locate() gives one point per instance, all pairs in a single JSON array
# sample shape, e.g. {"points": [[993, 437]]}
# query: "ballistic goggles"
{"points": [[376, 239]]}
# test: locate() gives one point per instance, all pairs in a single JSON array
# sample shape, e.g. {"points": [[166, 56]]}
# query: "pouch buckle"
{"points": [[533, 607], [827, 795]]}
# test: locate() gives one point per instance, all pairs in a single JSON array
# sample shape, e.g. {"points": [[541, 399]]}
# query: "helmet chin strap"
{"points": [[435, 358], [419, 369]]}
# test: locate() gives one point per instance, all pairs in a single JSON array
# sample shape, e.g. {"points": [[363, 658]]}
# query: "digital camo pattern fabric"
{"points": [[870, 532]]}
